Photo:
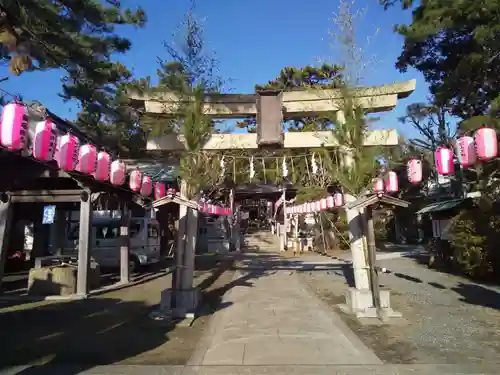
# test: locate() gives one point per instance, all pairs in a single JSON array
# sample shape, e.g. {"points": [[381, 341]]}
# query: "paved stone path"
{"points": [[270, 324], [259, 370], [269, 318]]}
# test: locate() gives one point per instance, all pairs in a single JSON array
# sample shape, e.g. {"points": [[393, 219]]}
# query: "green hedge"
{"points": [[475, 243]]}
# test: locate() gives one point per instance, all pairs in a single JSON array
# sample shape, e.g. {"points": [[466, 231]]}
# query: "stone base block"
{"points": [[59, 280], [164, 313], [166, 300], [187, 300], [360, 303]]}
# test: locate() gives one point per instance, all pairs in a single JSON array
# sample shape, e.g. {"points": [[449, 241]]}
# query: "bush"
{"points": [[475, 235], [440, 252], [381, 231], [342, 235]]}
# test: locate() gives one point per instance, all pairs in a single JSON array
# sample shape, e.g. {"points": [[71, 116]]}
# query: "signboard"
{"points": [[49, 214]]}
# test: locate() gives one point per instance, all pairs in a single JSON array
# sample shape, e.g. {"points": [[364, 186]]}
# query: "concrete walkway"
{"points": [[269, 318]]}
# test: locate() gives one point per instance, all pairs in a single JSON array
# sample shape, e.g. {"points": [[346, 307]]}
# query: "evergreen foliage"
{"points": [[80, 38], [326, 76], [189, 73], [456, 45]]}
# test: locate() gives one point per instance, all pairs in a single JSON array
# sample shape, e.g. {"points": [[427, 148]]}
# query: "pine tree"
{"points": [[79, 38], [326, 76], [456, 45], [190, 73]]}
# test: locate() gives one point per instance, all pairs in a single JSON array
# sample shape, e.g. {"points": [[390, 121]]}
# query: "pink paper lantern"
{"points": [[211, 209], [486, 143], [466, 151], [414, 171], [170, 192], [378, 185], [68, 152], [391, 182], [312, 207], [44, 141], [338, 199], [308, 207], [103, 166], [317, 206], [87, 158], [330, 202], [444, 160], [117, 173], [135, 180], [146, 186], [14, 127], [323, 204], [159, 190]]}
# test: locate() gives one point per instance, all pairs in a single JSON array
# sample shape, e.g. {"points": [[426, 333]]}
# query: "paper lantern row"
{"points": [[324, 204], [482, 147], [67, 152], [212, 209], [388, 184]]}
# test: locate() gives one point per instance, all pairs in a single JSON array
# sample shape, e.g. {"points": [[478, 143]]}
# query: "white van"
{"points": [[105, 241]]}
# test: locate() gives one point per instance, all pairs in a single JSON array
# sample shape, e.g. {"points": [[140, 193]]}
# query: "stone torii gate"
{"points": [[271, 108]]}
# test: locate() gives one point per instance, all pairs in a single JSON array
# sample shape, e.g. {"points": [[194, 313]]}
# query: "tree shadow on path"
{"points": [[478, 295], [69, 338], [81, 333]]}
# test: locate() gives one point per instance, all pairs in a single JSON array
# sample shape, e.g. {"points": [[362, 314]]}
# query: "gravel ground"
{"points": [[449, 319]]}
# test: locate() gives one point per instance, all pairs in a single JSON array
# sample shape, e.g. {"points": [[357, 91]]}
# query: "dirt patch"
{"points": [[109, 329]]}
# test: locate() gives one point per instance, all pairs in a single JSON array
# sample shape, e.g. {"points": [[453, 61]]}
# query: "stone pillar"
{"points": [[236, 230], [186, 297], [285, 223], [5, 226], [125, 247], [84, 244], [356, 239], [181, 236]]}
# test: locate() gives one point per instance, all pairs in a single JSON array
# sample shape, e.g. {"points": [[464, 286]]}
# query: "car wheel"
{"points": [[134, 265]]}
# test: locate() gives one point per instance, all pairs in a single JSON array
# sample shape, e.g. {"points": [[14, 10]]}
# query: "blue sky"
{"points": [[252, 40]]}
